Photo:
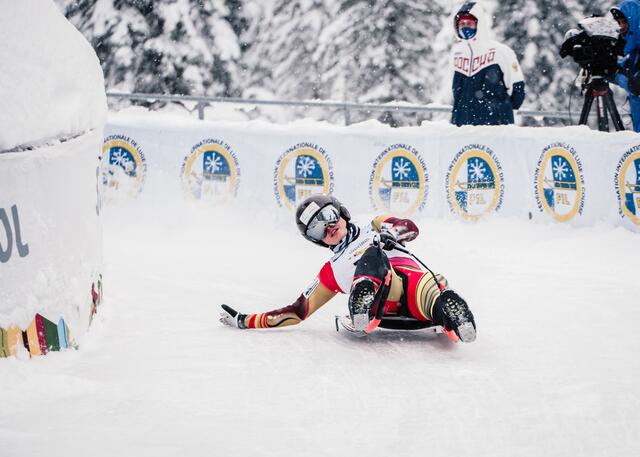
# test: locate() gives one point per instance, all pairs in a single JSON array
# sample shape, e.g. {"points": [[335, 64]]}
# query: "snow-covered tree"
{"points": [[162, 46], [344, 50], [280, 54], [535, 31], [381, 51]]}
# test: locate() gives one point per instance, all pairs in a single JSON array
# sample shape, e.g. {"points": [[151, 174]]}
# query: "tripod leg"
{"points": [[586, 107], [603, 119], [610, 105]]}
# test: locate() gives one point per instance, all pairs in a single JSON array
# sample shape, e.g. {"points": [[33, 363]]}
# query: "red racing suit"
{"points": [[412, 294]]}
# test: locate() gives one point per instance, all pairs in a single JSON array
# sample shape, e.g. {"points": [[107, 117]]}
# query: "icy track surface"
{"points": [[554, 371]]}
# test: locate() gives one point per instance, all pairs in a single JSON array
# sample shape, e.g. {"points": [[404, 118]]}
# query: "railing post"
{"points": [[200, 107], [347, 117]]}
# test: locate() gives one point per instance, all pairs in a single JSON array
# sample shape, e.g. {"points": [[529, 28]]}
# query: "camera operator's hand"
{"points": [[628, 79]]}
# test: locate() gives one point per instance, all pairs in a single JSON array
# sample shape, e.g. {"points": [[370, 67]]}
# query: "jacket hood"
{"points": [[631, 11], [475, 9]]}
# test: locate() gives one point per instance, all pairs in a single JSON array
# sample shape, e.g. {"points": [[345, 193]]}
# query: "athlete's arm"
{"points": [[306, 304]]}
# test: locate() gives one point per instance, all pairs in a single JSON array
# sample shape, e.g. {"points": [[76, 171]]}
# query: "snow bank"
{"points": [[570, 175], [51, 122], [50, 242], [51, 83]]}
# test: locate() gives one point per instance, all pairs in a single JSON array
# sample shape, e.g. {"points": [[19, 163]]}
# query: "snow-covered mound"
{"points": [[51, 121], [51, 83]]}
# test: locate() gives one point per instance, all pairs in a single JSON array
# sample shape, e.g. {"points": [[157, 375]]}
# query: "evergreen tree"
{"points": [[162, 46], [381, 51], [281, 52], [535, 31], [345, 50], [237, 20]]}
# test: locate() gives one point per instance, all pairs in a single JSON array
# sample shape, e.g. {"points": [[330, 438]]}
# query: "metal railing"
{"points": [[346, 107]]}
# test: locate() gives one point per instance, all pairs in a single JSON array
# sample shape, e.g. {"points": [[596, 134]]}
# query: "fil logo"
{"points": [[11, 231], [398, 181], [475, 182], [559, 184], [627, 182], [211, 171], [124, 167], [303, 170]]}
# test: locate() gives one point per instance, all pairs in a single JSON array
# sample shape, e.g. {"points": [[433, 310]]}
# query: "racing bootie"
{"points": [[453, 313], [361, 299]]}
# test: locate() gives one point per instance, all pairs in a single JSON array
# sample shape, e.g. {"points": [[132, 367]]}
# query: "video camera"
{"points": [[595, 45]]}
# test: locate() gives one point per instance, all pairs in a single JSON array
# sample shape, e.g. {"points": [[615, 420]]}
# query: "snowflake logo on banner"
{"points": [[398, 182], [302, 170], [560, 169], [306, 166], [474, 182], [627, 179], [118, 156], [123, 167], [559, 185], [213, 164], [121, 158], [210, 172], [401, 169], [478, 171]]}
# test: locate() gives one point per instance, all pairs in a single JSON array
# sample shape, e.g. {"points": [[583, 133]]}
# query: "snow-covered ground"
{"points": [[553, 372]]}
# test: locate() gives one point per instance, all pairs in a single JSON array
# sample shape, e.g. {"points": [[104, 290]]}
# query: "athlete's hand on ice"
{"points": [[231, 317]]}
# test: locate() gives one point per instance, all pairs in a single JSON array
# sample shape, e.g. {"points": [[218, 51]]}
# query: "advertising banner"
{"points": [[569, 175]]}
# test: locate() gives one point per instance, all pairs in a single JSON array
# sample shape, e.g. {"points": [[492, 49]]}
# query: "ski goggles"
{"points": [[326, 217]]}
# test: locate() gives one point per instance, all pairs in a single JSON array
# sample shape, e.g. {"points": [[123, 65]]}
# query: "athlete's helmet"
{"points": [[315, 213]]}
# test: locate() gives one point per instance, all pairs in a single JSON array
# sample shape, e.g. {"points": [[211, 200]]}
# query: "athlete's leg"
{"points": [[370, 284], [444, 307], [426, 294]]}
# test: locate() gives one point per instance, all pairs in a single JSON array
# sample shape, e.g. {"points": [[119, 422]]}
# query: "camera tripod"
{"points": [[597, 88]]}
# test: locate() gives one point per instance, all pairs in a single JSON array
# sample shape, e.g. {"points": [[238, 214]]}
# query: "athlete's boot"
{"points": [[361, 299], [453, 313]]}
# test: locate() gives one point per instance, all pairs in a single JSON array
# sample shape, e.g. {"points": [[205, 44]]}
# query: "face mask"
{"points": [[467, 33]]}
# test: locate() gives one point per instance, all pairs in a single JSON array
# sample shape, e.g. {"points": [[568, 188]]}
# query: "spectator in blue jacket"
{"points": [[488, 83], [628, 16]]}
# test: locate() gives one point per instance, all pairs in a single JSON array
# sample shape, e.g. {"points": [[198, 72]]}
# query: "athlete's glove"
{"points": [[388, 239], [231, 317], [402, 230]]}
